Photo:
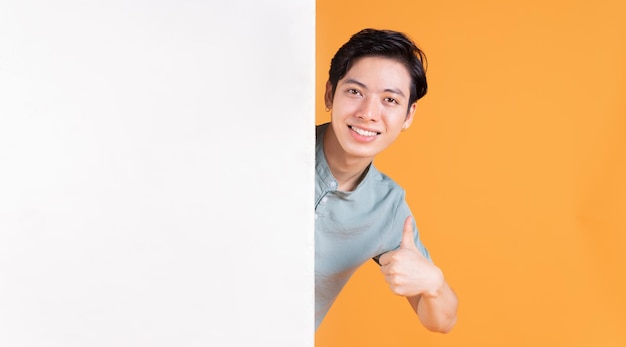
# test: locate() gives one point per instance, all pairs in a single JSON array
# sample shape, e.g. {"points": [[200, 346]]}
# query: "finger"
{"points": [[407, 234], [384, 259], [385, 270]]}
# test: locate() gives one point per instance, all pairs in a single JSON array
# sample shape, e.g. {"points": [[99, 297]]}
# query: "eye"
{"points": [[353, 91], [391, 100]]}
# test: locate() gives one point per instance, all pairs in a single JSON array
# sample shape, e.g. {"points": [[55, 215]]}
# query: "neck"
{"points": [[346, 169]]}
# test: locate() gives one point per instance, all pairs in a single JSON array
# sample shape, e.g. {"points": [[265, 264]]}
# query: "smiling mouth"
{"points": [[363, 132]]}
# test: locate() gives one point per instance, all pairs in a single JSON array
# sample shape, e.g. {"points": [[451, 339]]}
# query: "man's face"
{"points": [[369, 106]]}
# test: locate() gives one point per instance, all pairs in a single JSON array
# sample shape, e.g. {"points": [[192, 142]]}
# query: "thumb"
{"points": [[407, 234]]}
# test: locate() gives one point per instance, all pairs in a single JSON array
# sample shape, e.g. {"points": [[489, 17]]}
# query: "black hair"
{"points": [[384, 43]]}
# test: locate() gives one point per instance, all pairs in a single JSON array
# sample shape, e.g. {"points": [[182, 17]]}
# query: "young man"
{"points": [[375, 80]]}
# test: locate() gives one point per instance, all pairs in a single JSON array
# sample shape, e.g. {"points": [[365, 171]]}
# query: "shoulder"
{"points": [[320, 129], [381, 191], [384, 184]]}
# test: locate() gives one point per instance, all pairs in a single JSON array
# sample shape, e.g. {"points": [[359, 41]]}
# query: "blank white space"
{"points": [[156, 169]]}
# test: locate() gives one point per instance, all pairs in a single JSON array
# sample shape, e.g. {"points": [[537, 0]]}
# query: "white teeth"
{"points": [[364, 132]]}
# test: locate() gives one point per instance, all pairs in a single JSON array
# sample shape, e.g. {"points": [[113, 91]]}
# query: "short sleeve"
{"points": [[403, 211]]}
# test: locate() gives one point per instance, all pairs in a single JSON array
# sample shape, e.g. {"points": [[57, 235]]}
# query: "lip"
{"points": [[362, 128], [361, 138]]}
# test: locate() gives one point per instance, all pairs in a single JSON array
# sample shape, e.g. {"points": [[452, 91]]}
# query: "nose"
{"points": [[369, 110]]}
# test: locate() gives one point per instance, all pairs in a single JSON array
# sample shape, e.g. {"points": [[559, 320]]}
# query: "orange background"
{"points": [[515, 170]]}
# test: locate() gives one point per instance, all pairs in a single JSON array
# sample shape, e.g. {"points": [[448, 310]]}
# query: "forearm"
{"points": [[437, 313]]}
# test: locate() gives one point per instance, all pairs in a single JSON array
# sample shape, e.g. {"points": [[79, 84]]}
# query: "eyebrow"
{"points": [[362, 85]]}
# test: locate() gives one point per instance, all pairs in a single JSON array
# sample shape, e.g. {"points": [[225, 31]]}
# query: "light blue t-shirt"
{"points": [[352, 227]]}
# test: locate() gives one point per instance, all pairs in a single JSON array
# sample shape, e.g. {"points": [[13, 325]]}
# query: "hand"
{"points": [[407, 271]]}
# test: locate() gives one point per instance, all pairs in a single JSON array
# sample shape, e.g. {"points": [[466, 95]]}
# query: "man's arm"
{"points": [[436, 313], [410, 274]]}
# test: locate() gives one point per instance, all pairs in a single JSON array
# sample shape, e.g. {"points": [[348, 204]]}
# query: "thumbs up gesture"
{"points": [[407, 271]]}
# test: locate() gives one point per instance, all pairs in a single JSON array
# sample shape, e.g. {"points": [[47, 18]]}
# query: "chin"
{"points": [[361, 153]]}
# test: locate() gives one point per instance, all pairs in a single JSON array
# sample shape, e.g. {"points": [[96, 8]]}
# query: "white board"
{"points": [[156, 170]]}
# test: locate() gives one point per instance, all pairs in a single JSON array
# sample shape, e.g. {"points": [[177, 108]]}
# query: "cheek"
{"points": [[395, 121], [342, 109]]}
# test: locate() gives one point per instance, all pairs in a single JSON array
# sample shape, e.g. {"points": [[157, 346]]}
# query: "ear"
{"points": [[409, 116], [328, 95]]}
